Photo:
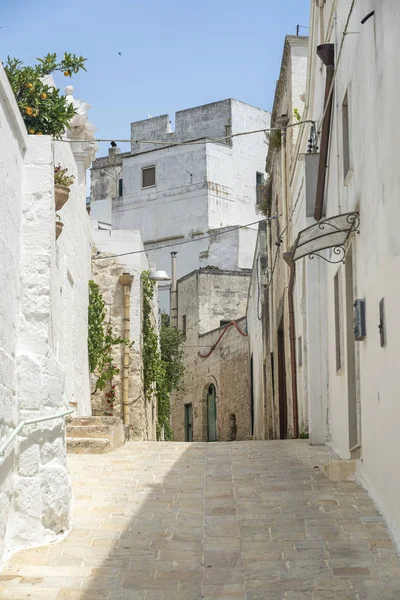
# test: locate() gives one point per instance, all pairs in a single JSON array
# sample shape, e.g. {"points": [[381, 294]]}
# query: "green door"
{"points": [[188, 423], [211, 413]]}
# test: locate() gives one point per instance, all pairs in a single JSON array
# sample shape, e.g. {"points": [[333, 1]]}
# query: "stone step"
{"points": [[97, 445], [94, 421], [90, 431]]}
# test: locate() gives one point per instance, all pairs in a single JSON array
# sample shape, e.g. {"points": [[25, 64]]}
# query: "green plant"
{"points": [[44, 110], [274, 139], [163, 368], [266, 199], [304, 435], [101, 340], [297, 115], [61, 177]]}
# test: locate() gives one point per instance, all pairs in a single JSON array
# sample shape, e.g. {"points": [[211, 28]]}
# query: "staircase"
{"points": [[94, 435]]}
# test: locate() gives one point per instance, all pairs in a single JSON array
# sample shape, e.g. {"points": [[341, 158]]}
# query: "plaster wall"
{"points": [[371, 187], [257, 323], [34, 486], [12, 152]]}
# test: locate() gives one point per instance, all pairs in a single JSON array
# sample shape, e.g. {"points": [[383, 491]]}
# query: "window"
{"points": [[346, 136], [148, 177], [120, 187], [338, 320], [259, 182], [184, 325]]}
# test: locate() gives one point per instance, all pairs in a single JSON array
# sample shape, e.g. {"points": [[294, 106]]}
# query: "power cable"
{"points": [[205, 237], [189, 142]]}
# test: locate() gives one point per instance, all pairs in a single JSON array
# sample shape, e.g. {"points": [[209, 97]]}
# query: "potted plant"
{"points": [[62, 183], [59, 226]]}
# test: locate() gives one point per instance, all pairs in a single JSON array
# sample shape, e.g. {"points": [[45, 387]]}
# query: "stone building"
{"points": [[174, 192], [108, 273], [215, 405], [43, 323]]}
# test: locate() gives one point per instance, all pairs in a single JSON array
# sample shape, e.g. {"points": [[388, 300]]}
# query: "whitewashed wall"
{"points": [[34, 483], [366, 69], [70, 285], [12, 150]]}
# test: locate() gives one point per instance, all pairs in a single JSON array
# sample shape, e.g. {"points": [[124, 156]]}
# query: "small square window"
{"points": [[148, 177]]}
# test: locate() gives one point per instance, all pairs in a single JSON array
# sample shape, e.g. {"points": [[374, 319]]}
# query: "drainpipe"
{"points": [[288, 258], [174, 293], [283, 120], [126, 281], [326, 53]]}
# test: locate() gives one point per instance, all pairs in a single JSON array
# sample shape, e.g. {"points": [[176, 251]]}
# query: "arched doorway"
{"points": [[211, 413]]}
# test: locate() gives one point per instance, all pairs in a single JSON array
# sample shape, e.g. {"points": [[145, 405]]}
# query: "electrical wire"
{"points": [[221, 336], [204, 237], [189, 142]]}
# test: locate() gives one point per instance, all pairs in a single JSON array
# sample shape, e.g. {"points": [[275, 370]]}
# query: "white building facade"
{"points": [[176, 193]]}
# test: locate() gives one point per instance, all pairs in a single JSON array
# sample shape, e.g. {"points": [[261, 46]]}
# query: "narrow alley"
{"points": [[248, 520]]}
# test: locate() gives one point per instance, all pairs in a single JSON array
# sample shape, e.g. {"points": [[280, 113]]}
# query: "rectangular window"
{"points": [[120, 187], [184, 325], [346, 136], [338, 320], [259, 182], [148, 177]]}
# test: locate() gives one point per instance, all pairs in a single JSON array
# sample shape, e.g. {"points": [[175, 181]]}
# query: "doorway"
{"points": [[211, 414], [188, 423], [282, 383], [251, 396]]}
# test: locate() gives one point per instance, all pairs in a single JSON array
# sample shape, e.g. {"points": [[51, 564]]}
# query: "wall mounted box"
{"points": [[359, 320]]}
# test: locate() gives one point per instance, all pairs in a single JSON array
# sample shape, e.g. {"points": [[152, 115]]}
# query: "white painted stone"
{"points": [[199, 188]]}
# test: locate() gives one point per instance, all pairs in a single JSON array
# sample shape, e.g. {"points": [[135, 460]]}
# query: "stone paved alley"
{"points": [[248, 520]]}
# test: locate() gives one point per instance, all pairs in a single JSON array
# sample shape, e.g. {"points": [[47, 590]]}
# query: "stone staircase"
{"points": [[94, 435]]}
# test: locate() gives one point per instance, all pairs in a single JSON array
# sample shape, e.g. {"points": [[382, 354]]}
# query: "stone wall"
{"points": [[206, 298], [106, 273]]}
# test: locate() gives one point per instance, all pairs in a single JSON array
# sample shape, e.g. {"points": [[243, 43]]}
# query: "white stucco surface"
{"points": [[35, 366]]}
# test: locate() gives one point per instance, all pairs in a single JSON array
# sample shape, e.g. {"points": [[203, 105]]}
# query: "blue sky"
{"points": [[175, 53]]}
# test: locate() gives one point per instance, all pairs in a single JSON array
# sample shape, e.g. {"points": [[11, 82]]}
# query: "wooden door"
{"points": [[282, 384], [188, 423], [211, 414]]}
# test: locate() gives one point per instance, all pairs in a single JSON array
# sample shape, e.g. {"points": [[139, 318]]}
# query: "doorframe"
{"points": [[216, 414], [189, 404], [283, 416]]}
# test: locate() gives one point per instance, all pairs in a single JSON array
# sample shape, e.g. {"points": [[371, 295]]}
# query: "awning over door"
{"points": [[329, 233]]}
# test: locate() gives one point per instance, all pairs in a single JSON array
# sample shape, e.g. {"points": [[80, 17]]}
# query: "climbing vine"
{"points": [[163, 367], [101, 341]]}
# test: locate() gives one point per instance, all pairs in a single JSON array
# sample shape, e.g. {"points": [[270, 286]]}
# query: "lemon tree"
{"points": [[43, 108]]}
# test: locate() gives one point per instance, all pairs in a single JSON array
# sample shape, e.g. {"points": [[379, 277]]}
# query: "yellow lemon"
{"points": [[67, 73], [43, 96], [31, 131]]}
